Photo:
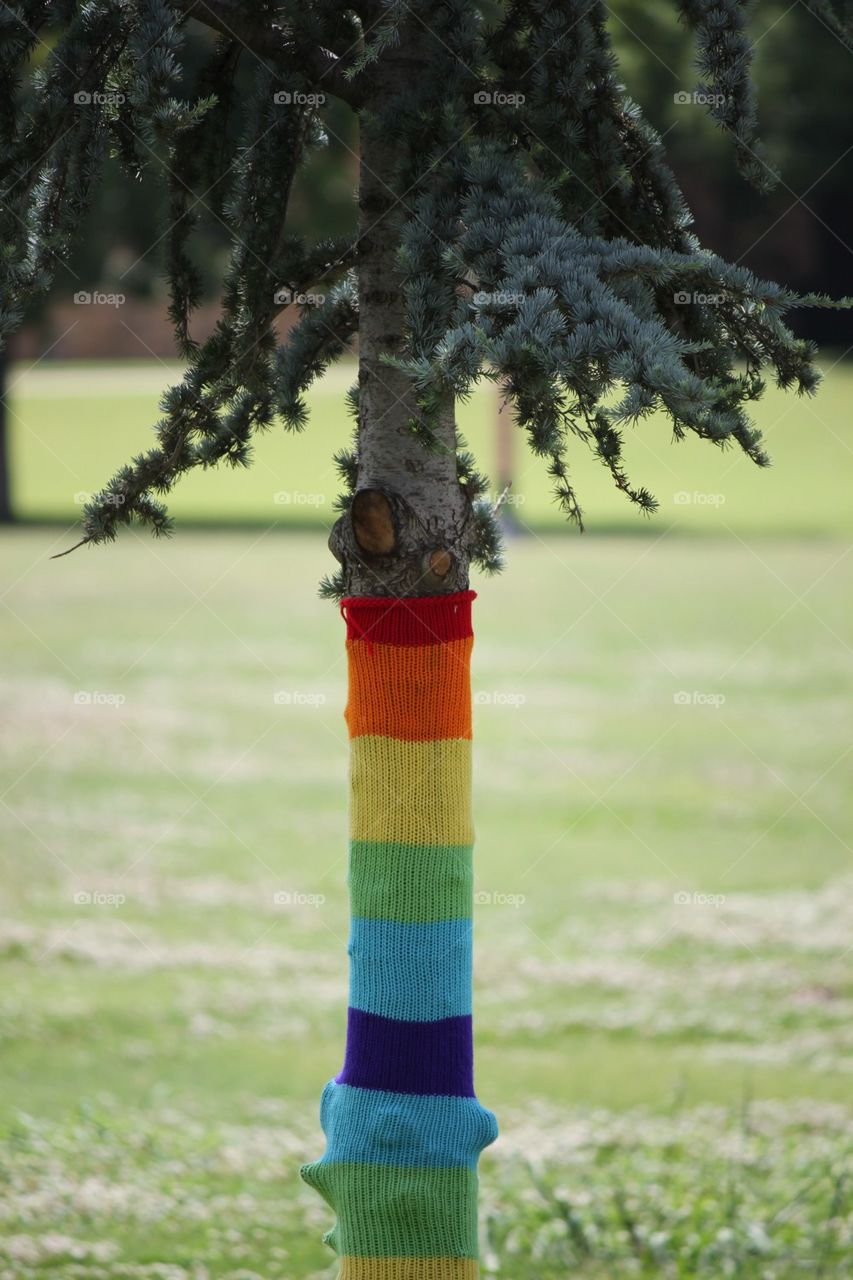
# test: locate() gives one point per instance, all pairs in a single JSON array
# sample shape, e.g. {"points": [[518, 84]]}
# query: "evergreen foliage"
{"points": [[546, 245]]}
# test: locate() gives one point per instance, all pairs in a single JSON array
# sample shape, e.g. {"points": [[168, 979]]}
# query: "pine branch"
{"points": [[275, 43], [724, 57], [542, 243]]}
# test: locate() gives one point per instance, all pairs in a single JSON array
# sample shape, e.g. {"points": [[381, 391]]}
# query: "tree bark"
{"points": [[410, 530]]}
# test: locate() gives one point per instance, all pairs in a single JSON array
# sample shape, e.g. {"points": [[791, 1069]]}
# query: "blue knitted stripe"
{"points": [[414, 972], [379, 1127]]}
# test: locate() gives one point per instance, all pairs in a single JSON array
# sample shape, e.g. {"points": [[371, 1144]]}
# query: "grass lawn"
{"points": [[73, 425], [664, 994]]}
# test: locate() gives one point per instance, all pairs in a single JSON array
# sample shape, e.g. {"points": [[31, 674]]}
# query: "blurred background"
{"points": [[664, 911]]}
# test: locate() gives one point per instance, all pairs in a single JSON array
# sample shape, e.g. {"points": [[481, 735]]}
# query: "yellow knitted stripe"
{"points": [[414, 792], [408, 1269]]}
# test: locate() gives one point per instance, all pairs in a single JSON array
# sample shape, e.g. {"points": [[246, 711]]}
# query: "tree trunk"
{"points": [[411, 529], [404, 1127]]}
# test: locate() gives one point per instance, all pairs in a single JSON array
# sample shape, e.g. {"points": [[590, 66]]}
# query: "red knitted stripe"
{"points": [[413, 620]]}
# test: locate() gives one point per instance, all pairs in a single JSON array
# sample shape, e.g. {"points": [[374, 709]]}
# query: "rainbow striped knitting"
{"points": [[403, 1125]]}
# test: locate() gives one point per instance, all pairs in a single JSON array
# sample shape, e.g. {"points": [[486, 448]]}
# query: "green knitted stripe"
{"points": [[408, 883], [386, 1211]]}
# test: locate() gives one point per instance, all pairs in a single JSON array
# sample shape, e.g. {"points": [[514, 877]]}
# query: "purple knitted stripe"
{"points": [[409, 1057]]}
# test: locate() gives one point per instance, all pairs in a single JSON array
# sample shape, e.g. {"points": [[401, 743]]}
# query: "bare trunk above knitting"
{"points": [[410, 529]]}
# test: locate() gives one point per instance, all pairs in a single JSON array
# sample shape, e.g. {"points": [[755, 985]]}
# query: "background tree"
{"points": [[518, 222], [798, 231], [6, 510]]}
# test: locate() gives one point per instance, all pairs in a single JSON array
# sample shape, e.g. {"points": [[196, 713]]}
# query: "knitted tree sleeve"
{"points": [[403, 1125]]}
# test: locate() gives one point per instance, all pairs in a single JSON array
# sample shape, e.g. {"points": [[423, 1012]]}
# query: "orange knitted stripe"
{"points": [[414, 693]]}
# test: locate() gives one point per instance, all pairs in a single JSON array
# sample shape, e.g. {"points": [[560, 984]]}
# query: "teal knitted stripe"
{"points": [[417, 972], [364, 1126], [409, 883]]}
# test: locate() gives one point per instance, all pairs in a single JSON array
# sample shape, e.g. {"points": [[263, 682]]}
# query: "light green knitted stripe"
{"points": [[399, 1211], [409, 883]]}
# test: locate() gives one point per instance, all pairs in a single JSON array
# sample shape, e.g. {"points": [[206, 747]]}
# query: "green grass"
{"points": [[73, 425], [677, 1067]]}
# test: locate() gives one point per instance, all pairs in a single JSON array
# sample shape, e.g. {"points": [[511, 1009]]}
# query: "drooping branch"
{"points": [[566, 319], [197, 172], [319, 264], [324, 328], [325, 71], [226, 395], [542, 242], [604, 161], [725, 54], [52, 150], [211, 416]]}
